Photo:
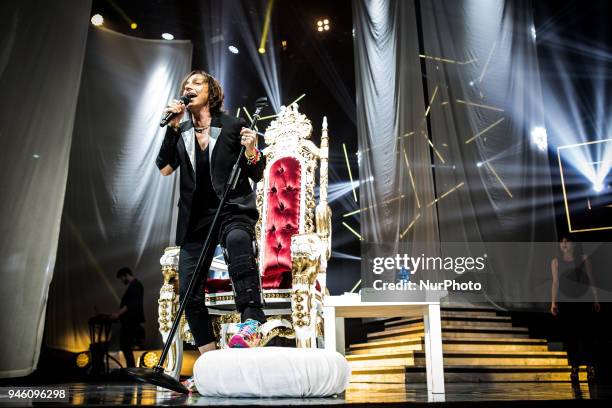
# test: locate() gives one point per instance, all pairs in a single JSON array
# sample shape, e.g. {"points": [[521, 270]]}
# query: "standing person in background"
{"points": [[130, 314], [572, 275]]}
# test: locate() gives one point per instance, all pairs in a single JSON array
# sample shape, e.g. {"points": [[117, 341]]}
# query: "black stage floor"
{"points": [[457, 395]]}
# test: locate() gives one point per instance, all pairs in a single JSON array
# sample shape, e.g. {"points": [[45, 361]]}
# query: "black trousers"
{"points": [[237, 238], [578, 333], [130, 335]]}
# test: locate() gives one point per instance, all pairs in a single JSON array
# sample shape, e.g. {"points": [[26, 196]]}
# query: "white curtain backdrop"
{"points": [[118, 209], [42, 45]]}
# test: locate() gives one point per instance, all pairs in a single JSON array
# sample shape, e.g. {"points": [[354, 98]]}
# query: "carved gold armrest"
{"points": [[305, 254]]}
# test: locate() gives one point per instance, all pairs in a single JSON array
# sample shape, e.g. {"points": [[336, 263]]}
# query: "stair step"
{"points": [[494, 344], [450, 314], [377, 360], [450, 344], [450, 331], [387, 346], [509, 358], [454, 321], [462, 307], [471, 313], [543, 373], [379, 375]]}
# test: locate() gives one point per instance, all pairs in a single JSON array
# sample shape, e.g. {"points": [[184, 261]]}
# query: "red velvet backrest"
{"points": [[282, 220]]}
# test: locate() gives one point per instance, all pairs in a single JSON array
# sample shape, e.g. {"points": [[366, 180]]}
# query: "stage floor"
{"points": [[539, 394]]}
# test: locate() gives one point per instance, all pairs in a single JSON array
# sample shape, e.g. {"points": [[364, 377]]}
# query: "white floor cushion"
{"points": [[271, 372]]}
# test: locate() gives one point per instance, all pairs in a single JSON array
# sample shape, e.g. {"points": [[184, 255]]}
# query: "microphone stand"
{"points": [[156, 375]]}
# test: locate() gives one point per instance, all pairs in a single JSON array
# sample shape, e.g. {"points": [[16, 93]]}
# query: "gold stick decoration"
{"points": [[349, 171], [416, 195], [498, 178], [372, 206], [298, 99], [352, 230], [470, 140], [403, 234], [445, 194], [479, 105]]}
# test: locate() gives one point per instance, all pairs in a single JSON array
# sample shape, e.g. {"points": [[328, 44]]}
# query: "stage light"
{"points": [[598, 187], [539, 137], [284, 45], [233, 49], [320, 29], [326, 27], [35, 156], [82, 360], [479, 164], [133, 26], [97, 20], [149, 359], [326, 21], [320, 23], [167, 36], [261, 50]]}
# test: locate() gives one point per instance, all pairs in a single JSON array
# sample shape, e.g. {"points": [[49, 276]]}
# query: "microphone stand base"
{"points": [[156, 377]]}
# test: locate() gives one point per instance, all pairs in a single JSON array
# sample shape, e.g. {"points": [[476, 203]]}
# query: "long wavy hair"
{"points": [[215, 92]]}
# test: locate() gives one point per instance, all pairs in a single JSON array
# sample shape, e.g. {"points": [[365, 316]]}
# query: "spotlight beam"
{"points": [[121, 12], [266, 27], [484, 69]]}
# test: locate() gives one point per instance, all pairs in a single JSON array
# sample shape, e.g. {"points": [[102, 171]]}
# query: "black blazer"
{"points": [[178, 150]]}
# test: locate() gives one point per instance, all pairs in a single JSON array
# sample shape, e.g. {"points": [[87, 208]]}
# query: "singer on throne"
{"points": [[204, 142]]}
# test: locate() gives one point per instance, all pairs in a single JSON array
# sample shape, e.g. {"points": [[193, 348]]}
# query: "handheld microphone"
{"points": [[169, 115]]}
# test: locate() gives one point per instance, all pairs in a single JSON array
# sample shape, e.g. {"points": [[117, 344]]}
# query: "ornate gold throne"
{"points": [[294, 244]]}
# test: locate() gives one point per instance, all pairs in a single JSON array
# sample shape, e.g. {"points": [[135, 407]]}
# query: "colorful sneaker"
{"points": [[248, 335], [190, 384]]}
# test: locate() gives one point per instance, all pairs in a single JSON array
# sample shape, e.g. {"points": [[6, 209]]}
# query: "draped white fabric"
{"points": [[118, 209], [488, 102], [395, 166], [461, 106], [42, 45]]}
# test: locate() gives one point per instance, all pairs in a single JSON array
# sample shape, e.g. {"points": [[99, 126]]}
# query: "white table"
{"points": [[336, 308]]}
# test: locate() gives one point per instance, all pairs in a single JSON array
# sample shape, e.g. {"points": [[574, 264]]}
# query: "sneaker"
{"points": [[190, 385], [248, 335]]}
